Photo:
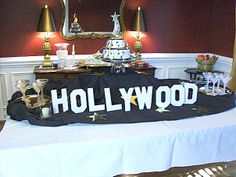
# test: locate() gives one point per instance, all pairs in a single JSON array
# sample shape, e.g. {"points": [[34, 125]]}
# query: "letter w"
{"points": [[144, 97]]}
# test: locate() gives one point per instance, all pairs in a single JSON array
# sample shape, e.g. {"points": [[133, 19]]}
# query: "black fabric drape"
{"points": [[204, 105]]}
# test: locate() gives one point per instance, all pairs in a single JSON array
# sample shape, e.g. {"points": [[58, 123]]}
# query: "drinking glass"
{"points": [[37, 89], [214, 80], [41, 83], [22, 85], [218, 77], [62, 53], [225, 81], [207, 76]]}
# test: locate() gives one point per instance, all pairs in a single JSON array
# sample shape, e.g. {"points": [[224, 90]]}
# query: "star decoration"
{"points": [[201, 109], [115, 16], [97, 116], [161, 110], [133, 100]]}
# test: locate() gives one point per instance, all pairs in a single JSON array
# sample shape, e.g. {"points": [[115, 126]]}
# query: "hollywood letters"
{"points": [[79, 100]]}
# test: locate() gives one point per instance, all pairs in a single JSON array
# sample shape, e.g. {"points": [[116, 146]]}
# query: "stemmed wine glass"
{"points": [[225, 79], [22, 85], [37, 90], [218, 77], [214, 80], [41, 83], [207, 76]]}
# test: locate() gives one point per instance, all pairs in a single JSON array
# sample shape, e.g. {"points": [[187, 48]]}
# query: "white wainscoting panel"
{"points": [[169, 65], [224, 64], [21, 75], [3, 95], [3, 83], [177, 72], [1, 104], [176, 62]]}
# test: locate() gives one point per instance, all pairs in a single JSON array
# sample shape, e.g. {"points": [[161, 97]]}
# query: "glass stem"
{"points": [[42, 94], [218, 85], [23, 96]]}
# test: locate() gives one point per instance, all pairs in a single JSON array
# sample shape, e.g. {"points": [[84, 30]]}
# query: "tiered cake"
{"points": [[116, 51]]}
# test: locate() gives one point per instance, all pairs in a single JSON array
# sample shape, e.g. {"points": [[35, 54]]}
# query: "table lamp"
{"points": [[139, 25], [46, 26]]}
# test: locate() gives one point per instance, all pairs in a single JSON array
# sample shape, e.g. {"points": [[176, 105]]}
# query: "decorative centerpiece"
{"points": [[206, 62], [116, 49]]}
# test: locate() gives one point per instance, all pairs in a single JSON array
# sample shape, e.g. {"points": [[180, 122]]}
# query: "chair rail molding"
{"points": [[169, 65]]}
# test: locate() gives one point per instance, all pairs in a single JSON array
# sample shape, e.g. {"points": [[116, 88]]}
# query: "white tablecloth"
{"points": [[85, 150]]}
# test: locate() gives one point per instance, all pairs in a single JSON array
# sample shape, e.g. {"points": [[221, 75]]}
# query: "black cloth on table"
{"points": [[205, 105]]}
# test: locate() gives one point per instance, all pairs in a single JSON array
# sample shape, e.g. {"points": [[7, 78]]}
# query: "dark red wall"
{"points": [[222, 27], [173, 26], [98, 13]]}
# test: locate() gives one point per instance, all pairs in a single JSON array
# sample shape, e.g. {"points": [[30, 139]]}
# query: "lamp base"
{"points": [[46, 50], [137, 49], [138, 56], [47, 62]]}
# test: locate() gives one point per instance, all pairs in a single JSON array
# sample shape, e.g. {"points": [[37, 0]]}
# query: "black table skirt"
{"points": [[205, 105]]}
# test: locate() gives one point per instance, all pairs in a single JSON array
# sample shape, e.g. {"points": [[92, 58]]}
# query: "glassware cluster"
{"points": [[38, 87], [22, 85], [41, 101], [62, 55], [216, 83]]}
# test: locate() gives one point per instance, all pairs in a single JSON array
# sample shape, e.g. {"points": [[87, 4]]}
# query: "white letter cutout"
{"points": [[56, 101], [144, 97], [181, 100], [91, 101], [159, 102], [187, 87], [109, 105], [126, 96], [83, 100]]}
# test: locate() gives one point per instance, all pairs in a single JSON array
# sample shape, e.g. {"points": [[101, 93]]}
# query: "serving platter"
{"points": [[32, 101], [210, 93]]}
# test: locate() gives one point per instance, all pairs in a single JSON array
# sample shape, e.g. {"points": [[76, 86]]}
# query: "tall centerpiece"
{"points": [[116, 50]]}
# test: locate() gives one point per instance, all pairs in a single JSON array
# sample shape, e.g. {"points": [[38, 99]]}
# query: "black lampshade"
{"points": [[46, 21], [139, 23]]}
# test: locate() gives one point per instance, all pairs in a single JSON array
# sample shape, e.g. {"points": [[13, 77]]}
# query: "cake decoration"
{"points": [[116, 49], [75, 26]]}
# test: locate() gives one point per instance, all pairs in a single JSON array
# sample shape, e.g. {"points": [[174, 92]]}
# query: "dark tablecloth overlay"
{"points": [[205, 105]]}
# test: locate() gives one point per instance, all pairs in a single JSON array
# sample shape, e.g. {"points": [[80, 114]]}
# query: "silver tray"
{"points": [[203, 90], [126, 60]]}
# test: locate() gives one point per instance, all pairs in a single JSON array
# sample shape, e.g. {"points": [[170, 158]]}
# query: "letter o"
{"points": [[181, 90], [159, 101]]}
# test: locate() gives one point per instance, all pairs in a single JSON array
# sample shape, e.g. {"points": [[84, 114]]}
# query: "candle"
{"points": [[73, 49], [45, 112]]}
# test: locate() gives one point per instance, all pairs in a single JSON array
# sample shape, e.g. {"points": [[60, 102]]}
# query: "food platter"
{"points": [[32, 101]]}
